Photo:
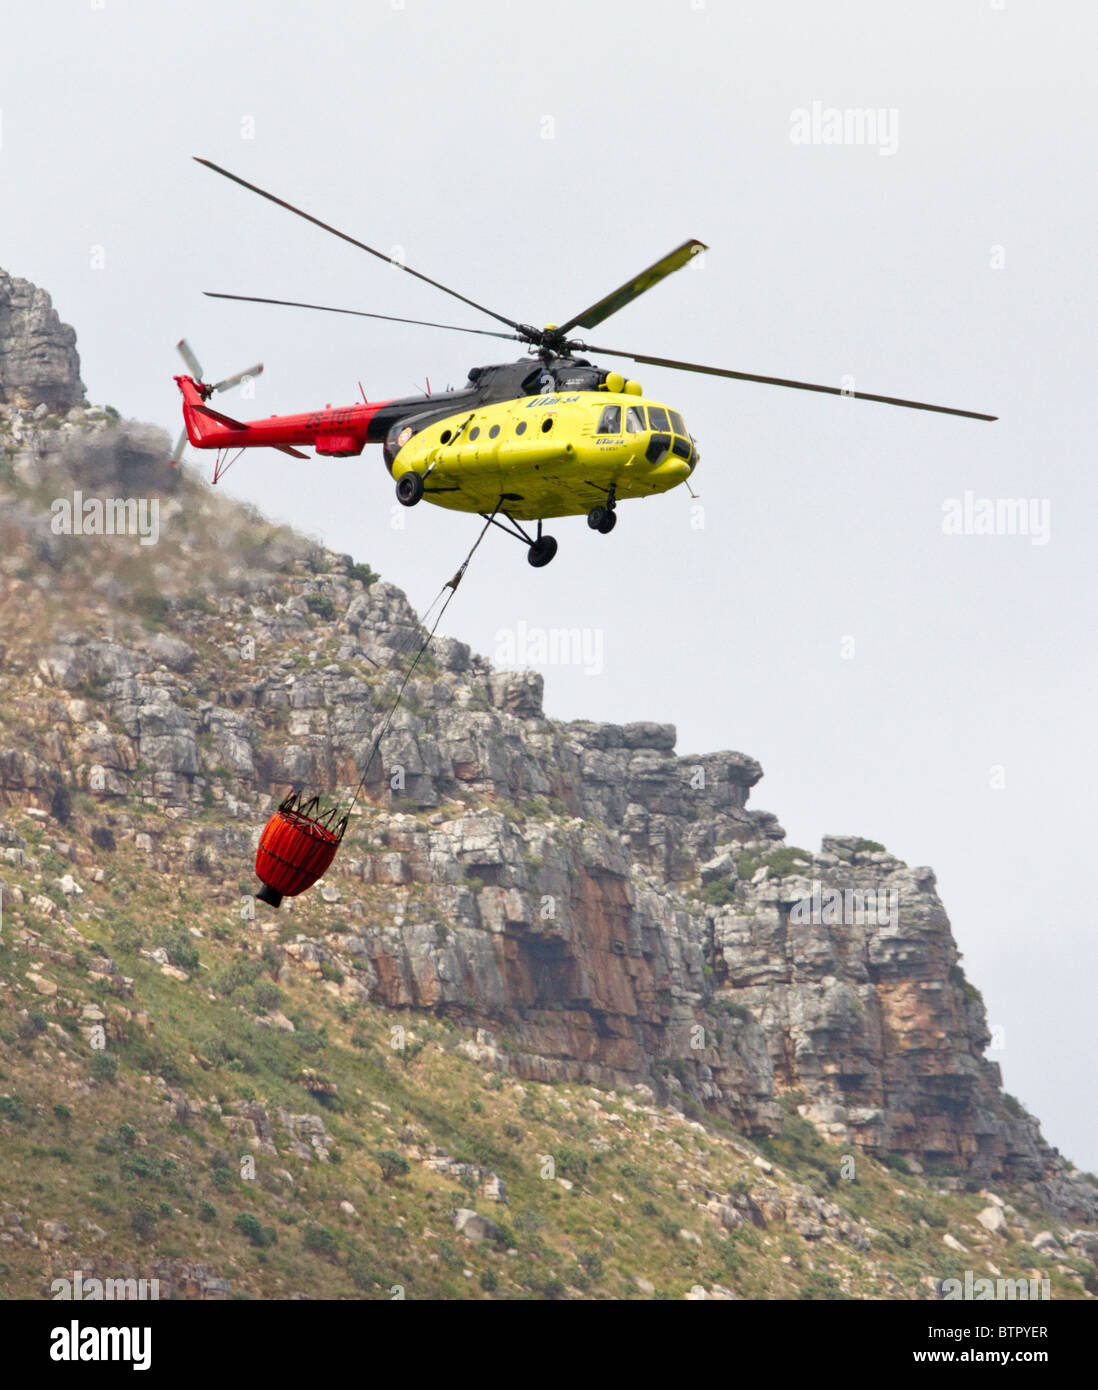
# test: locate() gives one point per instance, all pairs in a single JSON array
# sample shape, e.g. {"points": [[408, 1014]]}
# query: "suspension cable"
{"points": [[452, 585]]}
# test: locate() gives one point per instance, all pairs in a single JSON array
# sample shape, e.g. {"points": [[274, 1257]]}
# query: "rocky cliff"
{"points": [[583, 902], [612, 908], [38, 360]]}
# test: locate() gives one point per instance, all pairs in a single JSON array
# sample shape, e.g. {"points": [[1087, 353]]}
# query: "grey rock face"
{"points": [[39, 364], [635, 922], [518, 692], [601, 907], [175, 654]]}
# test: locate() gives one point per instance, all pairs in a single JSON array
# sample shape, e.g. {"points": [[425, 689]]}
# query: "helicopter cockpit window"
{"points": [[677, 422], [634, 420], [610, 420], [657, 418]]}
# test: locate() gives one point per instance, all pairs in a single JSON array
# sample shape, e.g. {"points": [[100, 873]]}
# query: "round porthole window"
{"points": [[547, 424], [520, 428], [493, 432], [474, 433], [445, 436]]}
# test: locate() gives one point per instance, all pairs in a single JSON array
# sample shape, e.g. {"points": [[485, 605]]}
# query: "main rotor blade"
{"points": [[632, 289], [782, 381], [362, 314], [354, 242]]}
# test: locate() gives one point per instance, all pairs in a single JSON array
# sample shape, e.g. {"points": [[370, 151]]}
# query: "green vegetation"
{"points": [[731, 1008], [1014, 1107], [153, 608], [958, 977], [392, 1164], [318, 1240], [321, 605], [787, 860], [251, 1227]]}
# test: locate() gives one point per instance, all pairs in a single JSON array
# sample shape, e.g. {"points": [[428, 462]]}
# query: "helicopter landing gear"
{"points": [[604, 519], [409, 489], [540, 549]]}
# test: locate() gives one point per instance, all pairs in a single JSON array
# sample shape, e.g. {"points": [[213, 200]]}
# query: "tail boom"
{"points": [[334, 433]]}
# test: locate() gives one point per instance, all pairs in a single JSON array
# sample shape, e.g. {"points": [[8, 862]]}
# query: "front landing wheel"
{"points": [[409, 489], [542, 551]]}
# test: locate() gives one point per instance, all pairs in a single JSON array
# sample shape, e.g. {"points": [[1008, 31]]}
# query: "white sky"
{"points": [[422, 127]]}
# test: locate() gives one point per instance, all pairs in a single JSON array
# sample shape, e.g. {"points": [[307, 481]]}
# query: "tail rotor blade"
{"points": [[238, 377], [193, 364]]}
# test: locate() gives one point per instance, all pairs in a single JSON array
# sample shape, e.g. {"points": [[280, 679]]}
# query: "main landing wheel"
{"points": [[602, 519], [409, 489], [542, 551]]}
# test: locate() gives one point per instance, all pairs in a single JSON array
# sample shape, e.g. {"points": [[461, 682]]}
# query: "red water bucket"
{"points": [[296, 848]]}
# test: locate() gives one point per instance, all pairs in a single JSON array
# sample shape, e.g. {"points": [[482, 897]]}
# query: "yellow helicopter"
{"points": [[549, 435]]}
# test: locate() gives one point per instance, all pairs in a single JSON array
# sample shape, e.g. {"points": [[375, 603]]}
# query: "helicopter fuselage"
{"points": [[547, 438], [550, 455]]}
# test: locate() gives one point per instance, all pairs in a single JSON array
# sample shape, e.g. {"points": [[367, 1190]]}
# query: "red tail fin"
{"points": [[209, 429], [204, 425]]}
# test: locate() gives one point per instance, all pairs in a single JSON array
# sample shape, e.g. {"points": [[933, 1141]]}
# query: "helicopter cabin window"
{"points": [[493, 432], [474, 433], [657, 418], [634, 419], [677, 423], [520, 428], [610, 420]]}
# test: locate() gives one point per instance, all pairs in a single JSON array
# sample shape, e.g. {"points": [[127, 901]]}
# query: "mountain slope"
{"points": [[557, 975]]}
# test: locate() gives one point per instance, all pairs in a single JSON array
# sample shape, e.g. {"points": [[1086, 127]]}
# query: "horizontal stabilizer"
{"points": [[221, 419], [289, 449]]}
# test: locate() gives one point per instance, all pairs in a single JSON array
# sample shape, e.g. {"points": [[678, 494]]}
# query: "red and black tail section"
{"points": [[335, 433], [207, 428]]}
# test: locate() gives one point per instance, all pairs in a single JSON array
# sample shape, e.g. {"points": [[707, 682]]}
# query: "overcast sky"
{"points": [[932, 691]]}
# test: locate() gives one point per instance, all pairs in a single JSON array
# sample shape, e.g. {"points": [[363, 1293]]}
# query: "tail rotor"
{"points": [[237, 378], [195, 368], [180, 445]]}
